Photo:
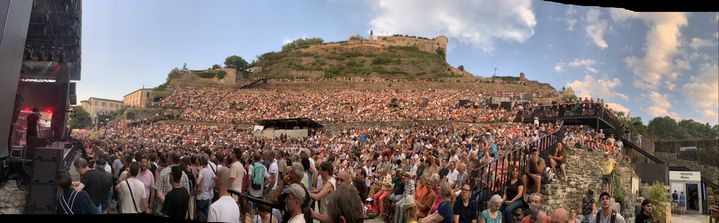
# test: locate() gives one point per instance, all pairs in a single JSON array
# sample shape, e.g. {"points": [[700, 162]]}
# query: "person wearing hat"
{"points": [[294, 198], [607, 214], [714, 217], [645, 214]]}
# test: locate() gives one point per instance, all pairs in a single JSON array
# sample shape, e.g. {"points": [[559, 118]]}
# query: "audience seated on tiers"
{"points": [[411, 172]]}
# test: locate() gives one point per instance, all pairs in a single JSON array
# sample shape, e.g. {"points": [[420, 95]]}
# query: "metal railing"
{"points": [[495, 175], [244, 200]]}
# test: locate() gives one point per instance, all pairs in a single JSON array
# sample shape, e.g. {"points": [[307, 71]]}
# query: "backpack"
{"points": [[613, 219], [258, 176]]}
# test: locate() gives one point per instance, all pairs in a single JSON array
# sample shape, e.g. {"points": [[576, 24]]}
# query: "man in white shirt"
{"points": [[273, 171], [132, 192], [204, 186], [237, 172], [606, 214], [452, 175], [224, 209]]}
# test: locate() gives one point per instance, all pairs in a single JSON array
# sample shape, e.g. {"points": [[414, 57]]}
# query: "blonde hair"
{"points": [[445, 191]]}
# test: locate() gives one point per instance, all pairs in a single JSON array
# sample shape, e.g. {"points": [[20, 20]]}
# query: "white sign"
{"points": [[685, 176], [682, 149]]}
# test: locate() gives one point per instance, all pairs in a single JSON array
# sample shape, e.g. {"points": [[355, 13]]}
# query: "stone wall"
{"points": [[12, 197], [674, 145], [706, 151], [426, 45], [584, 169], [708, 171]]}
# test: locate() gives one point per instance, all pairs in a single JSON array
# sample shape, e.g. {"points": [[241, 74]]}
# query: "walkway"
{"points": [[694, 218]]}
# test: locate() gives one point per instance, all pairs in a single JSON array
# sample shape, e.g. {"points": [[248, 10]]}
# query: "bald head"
{"points": [[542, 217], [343, 178], [222, 179], [560, 215]]}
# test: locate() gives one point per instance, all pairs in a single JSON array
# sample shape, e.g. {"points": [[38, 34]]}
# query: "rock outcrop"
{"points": [[584, 169], [12, 197]]}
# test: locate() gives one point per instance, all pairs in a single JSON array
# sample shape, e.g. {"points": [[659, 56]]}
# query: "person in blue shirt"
{"points": [[492, 213], [72, 201]]}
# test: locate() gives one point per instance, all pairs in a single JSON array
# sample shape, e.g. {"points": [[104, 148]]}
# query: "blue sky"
{"points": [[651, 64]]}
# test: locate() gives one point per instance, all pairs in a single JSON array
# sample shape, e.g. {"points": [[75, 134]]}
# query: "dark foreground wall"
{"points": [[651, 172]]}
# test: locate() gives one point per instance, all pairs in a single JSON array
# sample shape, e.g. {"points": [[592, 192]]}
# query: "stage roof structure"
{"points": [[290, 123]]}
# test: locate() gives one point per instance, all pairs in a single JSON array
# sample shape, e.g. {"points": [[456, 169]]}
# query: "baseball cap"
{"points": [[714, 208], [296, 190]]}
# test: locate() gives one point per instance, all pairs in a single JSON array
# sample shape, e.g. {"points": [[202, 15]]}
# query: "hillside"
{"points": [[357, 58]]}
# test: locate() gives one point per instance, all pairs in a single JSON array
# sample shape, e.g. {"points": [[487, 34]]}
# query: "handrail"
{"points": [[489, 174], [244, 198], [646, 154]]}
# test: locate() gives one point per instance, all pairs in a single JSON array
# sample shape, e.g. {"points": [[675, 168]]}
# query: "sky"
{"points": [[646, 64]]}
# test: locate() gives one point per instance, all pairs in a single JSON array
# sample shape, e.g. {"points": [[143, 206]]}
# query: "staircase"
{"points": [[253, 83]]}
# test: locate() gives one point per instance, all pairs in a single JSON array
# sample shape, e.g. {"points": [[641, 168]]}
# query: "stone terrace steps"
{"points": [[584, 169]]}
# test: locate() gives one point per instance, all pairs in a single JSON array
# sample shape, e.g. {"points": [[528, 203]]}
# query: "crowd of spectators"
{"points": [[414, 173], [227, 105]]}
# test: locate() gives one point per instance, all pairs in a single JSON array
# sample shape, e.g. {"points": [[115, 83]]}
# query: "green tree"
{"points": [[236, 62], [440, 52], [80, 119], [302, 43], [659, 195], [461, 67], [172, 75], [636, 126], [666, 128], [662, 128], [216, 66]]}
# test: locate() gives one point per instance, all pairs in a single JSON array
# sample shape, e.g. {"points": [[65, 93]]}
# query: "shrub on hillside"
{"points": [[221, 74], [383, 59], [206, 75], [302, 43]]}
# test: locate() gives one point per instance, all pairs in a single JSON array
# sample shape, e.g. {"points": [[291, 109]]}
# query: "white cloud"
{"points": [[682, 64], [699, 43], [588, 64], [618, 107], [591, 69], [596, 28], [559, 67], [702, 91], [602, 88], [662, 44], [570, 19], [287, 40], [478, 22], [582, 62], [660, 105]]}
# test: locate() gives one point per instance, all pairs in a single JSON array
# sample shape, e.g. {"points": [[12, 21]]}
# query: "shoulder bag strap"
{"points": [[65, 206], [132, 196]]}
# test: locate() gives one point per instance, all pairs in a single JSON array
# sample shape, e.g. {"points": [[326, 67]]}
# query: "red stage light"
{"points": [[25, 109], [49, 111]]}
